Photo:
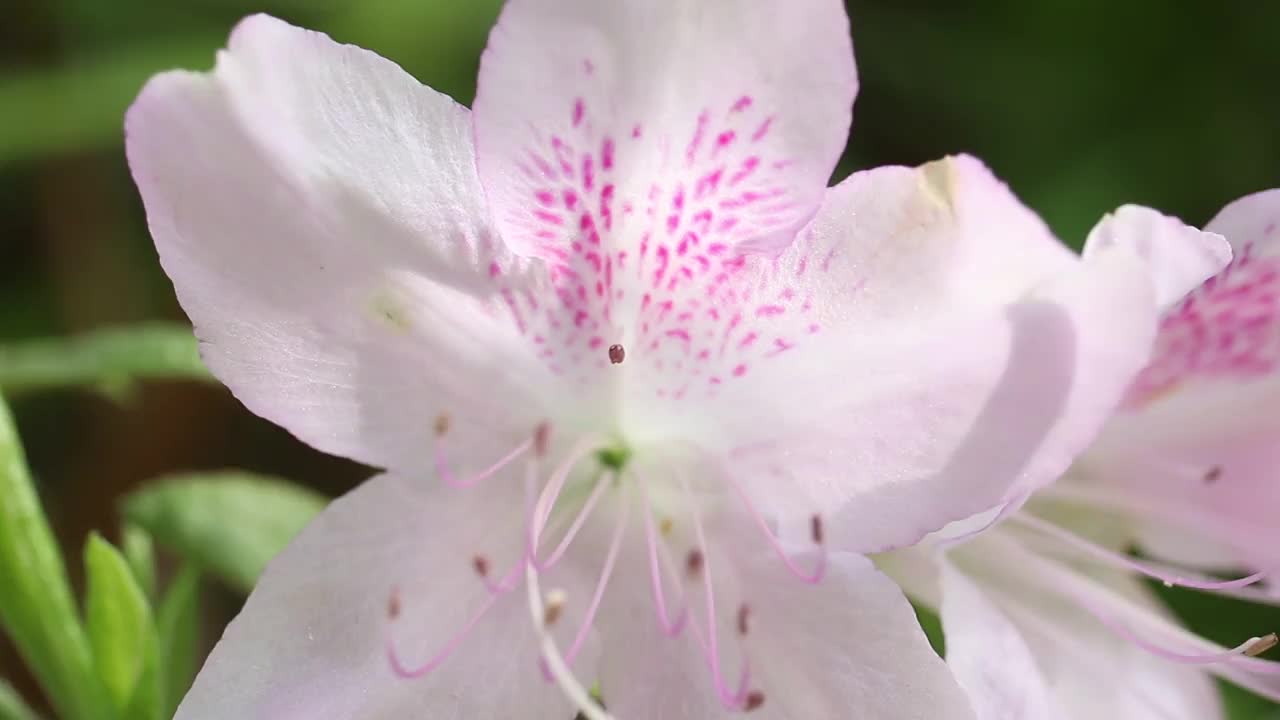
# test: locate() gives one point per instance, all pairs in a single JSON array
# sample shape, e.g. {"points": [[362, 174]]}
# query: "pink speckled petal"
{"points": [[312, 640], [1195, 452], [924, 351], [318, 212], [625, 126], [814, 651], [1181, 256]]}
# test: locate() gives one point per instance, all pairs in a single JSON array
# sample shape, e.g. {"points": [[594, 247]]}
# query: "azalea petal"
{"points": [[952, 353], [318, 212], [1181, 256], [1062, 613], [1086, 670], [630, 123], [311, 641], [989, 656], [815, 651], [1251, 220], [1194, 454]]}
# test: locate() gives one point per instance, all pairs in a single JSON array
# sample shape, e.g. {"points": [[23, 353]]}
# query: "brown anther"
{"points": [[442, 424], [815, 529], [755, 699], [1262, 644], [393, 604], [744, 618], [693, 563], [1212, 475], [481, 564], [553, 606], [664, 526], [542, 439], [617, 354]]}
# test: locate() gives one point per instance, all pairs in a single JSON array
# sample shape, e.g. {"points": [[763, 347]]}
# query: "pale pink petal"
{"points": [[814, 651], [1195, 452], [628, 125], [1109, 612], [1181, 256], [923, 350], [989, 656], [312, 640], [318, 212], [1251, 220]]}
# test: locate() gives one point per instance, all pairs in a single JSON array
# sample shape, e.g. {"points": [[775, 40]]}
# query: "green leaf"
{"points": [[178, 621], [110, 360], [12, 706], [121, 631], [37, 608], [230, 523], [141, 553]]}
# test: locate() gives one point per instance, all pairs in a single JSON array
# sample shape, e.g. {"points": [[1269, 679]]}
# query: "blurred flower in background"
{"points": [[1080, 105]]}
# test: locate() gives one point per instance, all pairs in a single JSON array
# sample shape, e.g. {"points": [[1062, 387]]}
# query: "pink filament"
{"points": [[811, 577], [668, 627], [578, 522], [710, 644], [1121, 561], [442, 465], [407, 673], [1235, 654], [615, 543], [541, 510]]}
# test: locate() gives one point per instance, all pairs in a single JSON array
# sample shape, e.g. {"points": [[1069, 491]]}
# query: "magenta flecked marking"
{"points": [[741, 104], [1227, 330], [579, 110]]}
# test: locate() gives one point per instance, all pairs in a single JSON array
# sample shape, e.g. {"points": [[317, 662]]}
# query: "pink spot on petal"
{"points": [[579, 109], [741, 104]]}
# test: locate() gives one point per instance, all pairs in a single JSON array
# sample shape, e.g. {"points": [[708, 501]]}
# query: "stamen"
{"points": [[1213, 474], [393, 604], [666, 526], [481, 565], [1262, 644], [668, 627], [442, 462], [617, 354], [553, 661], [693, 564], [815, 530], [541, 439], [442, 425], [407, 673], [556, 598], [606, 573], [1118, 560], [547, 498], [710, 644], [755, 699], [578, 522], [744, 616]]}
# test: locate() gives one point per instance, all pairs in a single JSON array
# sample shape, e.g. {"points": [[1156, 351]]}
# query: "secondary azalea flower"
{"points": [[612, 337], [1044, 614]]}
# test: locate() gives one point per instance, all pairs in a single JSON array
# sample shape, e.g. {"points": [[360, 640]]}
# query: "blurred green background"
{"points": [[1081, 105]]}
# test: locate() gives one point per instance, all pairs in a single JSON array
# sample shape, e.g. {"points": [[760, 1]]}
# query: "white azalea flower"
{"points": [[611, 336]]}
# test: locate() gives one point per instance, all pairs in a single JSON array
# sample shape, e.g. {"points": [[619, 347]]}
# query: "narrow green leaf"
{"points": [[140, 551], [121, 629], [178, 621], [37, 608], [12, 706], [109, 360], [230, 523]]}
